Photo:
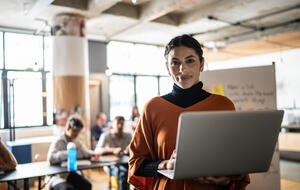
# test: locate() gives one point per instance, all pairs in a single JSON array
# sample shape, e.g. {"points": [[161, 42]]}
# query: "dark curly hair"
{"points": [[187, 41], [74, 122]]}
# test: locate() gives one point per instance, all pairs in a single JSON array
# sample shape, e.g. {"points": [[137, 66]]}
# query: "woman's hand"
{"points": [[117, 150], [95, 157], [168, 164]]}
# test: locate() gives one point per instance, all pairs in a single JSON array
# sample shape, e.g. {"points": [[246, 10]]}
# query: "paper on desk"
{"points": [[110, 158], [79, 163]]}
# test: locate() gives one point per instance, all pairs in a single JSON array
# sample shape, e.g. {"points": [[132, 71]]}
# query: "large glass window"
{"points": [[121, 96], [48, 54], [1, 96], [135, 58], [146, 88], [1, 50], [1, 103], [25, 94], [166, 85], [23, 51], [49, 90]]}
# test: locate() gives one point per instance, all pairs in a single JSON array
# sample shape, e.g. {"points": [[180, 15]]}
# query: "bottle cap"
{"points": [[71, 145]]}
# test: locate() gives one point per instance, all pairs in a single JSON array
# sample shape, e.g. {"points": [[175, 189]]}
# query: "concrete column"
{"points": [[70, 70]]}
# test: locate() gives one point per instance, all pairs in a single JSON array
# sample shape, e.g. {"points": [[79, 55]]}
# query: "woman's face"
{"points": [[184, 66]]}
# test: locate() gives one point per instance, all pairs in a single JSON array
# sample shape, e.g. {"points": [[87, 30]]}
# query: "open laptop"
{"points": [[223, 143]]}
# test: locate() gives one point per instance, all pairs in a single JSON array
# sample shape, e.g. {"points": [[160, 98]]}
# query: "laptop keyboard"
{"points": [[169, 172]]}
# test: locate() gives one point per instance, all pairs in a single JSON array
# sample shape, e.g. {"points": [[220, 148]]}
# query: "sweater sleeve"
{"points": [[148, 169], [141, 147], [57, 152]]}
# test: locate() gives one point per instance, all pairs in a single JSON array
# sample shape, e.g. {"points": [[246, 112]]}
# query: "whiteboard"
{"points": [[252, 88]]}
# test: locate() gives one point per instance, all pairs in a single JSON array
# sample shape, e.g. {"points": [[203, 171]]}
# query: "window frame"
{"points": [[8, 123]]}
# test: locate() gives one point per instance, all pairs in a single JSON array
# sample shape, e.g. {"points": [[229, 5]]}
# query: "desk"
{"points": [[39, 169], [291, 128]]}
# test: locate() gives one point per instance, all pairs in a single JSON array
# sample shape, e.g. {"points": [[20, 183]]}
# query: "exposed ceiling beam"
{"points": [[38, 7], [77, 4], [169, 19], [211, 9], [124, 9], [131, 11], [270, 30], [96, 7], [234, 33], [226, 9], [153, 10]]}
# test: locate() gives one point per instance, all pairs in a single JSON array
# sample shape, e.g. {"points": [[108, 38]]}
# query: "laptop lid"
{"points": [[222, 143]]}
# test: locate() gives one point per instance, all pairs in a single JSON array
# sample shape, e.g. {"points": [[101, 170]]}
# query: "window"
{"points": [[25, 94], [121, 96], [166, 85], [135, 59], [49, 95], [146, 88], [23, 54], [23, 51], [128, 61], [1, 104], [48, 54], [1, 96], [125, 92], [1, 50]]}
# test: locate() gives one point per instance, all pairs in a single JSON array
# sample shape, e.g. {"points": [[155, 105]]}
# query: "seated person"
{"points": [[58, 153], [7, 159], [116, 142], [135, 115], [100, 127]]}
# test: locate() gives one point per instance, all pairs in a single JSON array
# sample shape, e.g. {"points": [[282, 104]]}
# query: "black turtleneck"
{"points": [[186, 97], [180, 97]]}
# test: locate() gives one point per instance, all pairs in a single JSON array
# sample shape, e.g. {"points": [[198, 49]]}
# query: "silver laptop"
{"points": [[222, 143]]}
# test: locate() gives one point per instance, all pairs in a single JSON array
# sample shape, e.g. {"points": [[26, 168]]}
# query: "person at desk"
{"points": [[99, 128], [7, 159], [135, 115], [58, 153], [153, 144], [116, 142]]}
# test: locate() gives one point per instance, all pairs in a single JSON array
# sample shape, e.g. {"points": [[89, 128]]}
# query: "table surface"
{"points": [[38, 169]]}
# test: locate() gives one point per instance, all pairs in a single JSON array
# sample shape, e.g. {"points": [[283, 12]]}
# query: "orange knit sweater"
{"points": [[155, 139]]}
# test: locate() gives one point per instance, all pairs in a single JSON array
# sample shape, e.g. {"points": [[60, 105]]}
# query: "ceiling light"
{"points": [[108, 72], [134, 1]]}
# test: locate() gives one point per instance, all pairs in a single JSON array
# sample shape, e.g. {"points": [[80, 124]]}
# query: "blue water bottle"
{"points": [[72, 157]]}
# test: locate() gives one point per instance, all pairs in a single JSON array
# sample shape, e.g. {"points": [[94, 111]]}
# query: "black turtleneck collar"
{"points": [[186, 97]]}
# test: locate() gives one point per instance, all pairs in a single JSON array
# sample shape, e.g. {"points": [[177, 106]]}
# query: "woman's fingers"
{"points": [[171, 161], [173, 156], [170, 164]]}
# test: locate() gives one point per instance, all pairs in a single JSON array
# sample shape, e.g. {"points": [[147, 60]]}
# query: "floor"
{"points": [[100, 181], [99, 178], [290, 170]]}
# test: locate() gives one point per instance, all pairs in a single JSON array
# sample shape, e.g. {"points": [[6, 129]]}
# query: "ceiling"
{"points": [[228, 29]]}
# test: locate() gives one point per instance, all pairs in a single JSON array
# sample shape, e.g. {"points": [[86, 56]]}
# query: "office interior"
{"points": [[124, 63]]}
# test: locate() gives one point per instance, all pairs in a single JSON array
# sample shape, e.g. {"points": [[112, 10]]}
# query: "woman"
{"points": [[153, 144], [135, 115]]}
